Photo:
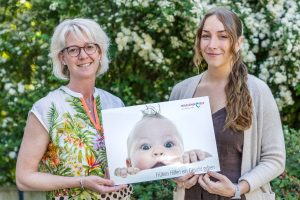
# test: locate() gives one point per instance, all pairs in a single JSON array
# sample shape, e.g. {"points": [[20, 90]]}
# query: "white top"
{"points": [[58, 96]]}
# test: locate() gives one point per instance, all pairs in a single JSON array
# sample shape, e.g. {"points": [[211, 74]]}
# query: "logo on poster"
{"points": [[192, 105]]}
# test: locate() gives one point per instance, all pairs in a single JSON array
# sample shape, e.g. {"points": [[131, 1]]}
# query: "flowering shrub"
{"points": [[151, 49], [287, 185]]}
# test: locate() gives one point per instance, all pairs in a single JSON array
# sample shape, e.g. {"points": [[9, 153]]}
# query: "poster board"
{"points": [[133, 133]]}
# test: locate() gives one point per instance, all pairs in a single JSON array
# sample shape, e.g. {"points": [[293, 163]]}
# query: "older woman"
{"points": [[63, 150], [245, 116]]}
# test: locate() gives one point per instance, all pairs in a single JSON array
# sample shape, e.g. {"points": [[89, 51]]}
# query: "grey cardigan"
{"points": [[264, 150]]}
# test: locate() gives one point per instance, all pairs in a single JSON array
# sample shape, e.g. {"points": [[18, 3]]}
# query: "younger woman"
{"points": [[246, 119]]}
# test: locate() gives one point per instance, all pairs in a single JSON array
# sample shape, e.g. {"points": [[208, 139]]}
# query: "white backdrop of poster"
{"points": [[193, 120]]}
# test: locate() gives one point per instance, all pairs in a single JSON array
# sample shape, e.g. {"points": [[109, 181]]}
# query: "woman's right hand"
{"points": [[187, 181], [100, 185]]}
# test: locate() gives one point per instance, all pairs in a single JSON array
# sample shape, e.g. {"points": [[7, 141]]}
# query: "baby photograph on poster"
{"points": [[160, 140]]}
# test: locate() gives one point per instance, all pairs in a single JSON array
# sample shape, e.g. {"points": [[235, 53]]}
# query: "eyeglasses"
{"points": [[74, 51]]}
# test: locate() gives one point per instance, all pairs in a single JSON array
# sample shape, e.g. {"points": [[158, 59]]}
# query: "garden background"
{"points": [[151, 50]]}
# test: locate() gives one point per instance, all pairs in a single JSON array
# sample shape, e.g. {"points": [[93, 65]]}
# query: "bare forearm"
{"points": [[38, 181]]}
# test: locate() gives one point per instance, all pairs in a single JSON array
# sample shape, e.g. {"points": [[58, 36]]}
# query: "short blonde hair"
{"points": [[80, 27]]}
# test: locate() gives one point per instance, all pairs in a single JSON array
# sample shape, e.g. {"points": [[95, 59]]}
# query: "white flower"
{"points": [[262, 35], [250, 57], [265, 43], [286, 95], [175, 42], [2, 72], [264, 73], [255, 41], [170, 18], [126, 31], [255, 49], [123, 38], [20, 87], [145, 3], [279, 78], [6, 121], [12, 155], [122, 42], [146, 46], [163, 3], [118, 2], [12, 91], [280, 103], [143, 54], [53, 6], [289, 46], [148, 39], [7, 86]]}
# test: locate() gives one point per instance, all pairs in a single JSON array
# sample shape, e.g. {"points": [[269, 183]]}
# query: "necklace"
{"points": [[89, 101], [90, 104], [92, 115]]}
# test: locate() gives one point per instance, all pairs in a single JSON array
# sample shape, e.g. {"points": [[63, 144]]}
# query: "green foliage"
{"points": [[287, 186], [162, 189], [151, 50]]}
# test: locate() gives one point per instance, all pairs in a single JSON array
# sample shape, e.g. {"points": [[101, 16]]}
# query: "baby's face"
{"points": [[154, 143]]}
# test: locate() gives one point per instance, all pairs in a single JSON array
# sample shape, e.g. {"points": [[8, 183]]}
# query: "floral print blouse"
{"points": [[77, 146]]}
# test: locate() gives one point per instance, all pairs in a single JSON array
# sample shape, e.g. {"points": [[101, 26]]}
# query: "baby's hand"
{"points": [[194, 156], [122, 172]]}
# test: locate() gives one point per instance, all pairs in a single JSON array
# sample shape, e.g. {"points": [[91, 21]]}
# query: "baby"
{"points": [[154, 142]]}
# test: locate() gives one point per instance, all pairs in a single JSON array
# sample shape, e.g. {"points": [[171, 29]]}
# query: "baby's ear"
{"points": [[128, 162]]}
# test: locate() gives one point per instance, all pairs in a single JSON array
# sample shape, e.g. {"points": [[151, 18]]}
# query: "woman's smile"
{"points": [[85, 64]]}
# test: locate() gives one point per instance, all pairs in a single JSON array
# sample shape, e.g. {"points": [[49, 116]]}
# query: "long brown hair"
{"points": [[239, 102]]}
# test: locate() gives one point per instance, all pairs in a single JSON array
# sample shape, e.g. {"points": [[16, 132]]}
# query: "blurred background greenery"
{"points": [[151, 50]]}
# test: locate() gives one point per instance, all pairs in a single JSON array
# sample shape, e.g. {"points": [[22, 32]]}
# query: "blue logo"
{"points": [[198, 104]]}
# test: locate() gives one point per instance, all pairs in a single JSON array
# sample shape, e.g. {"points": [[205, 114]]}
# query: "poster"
{"points": [[160, 140]]}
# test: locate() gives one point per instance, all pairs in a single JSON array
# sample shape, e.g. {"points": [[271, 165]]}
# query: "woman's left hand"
{"points": [[223, 186]]}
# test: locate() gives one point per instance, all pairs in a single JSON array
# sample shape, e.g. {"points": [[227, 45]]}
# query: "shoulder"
{"points": [[258, 87], [42, 107], [263, 99], [46, 101], [256, 83], [185, 83], [185, 88], [109, 100]]}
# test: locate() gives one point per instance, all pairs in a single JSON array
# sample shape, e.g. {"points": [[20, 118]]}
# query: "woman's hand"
{"points": [[187, 181], [123, 172], [223, 186], [100, 185]]}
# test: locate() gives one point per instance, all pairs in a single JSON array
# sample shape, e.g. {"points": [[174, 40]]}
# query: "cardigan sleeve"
{"points": [[270, 142], [175, 93]]}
